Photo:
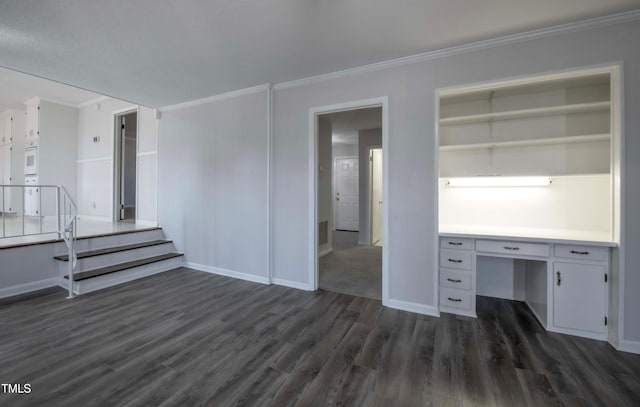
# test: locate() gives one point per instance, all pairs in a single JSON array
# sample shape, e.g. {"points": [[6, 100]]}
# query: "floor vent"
{"points": [[323, 232]]}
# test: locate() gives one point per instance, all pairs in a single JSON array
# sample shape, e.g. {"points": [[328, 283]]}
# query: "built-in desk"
{"points": [[563, 281]]}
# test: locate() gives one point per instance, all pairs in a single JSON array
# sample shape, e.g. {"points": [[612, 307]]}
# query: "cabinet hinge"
{"points": [[606, 277], [605, 321]]}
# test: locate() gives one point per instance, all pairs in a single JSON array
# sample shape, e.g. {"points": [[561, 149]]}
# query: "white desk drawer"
{"points": [[455, 279], [453, 298], [513, 248], [455, 243], [581, 252], [455, 259]]}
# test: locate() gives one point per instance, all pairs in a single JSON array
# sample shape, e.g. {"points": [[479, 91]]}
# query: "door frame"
{"points": [[314, 112], [116, 161], [370, 192], [334, 190]]}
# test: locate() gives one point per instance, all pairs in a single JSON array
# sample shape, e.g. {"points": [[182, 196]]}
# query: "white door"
{"points": [[376, 197], [579, 296], [5, 177], [347, 194]]}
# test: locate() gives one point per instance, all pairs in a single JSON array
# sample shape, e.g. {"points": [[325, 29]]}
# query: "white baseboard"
{"points": [[291, 284], [325, 252], [28, 287], [227, 273], [413, 307], [629, 346], [95, 218], [363, 243]]}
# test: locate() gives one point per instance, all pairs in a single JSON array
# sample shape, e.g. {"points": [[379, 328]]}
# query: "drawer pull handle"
{"points": [[455, 261], [511, 248], [455, 243], [454, 299], [559, 279], [454, 280], [579, 252]]}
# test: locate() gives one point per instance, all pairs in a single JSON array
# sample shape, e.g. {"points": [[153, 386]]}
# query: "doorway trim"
{"points": [[115, 160], [370, 193], [314, 112]]}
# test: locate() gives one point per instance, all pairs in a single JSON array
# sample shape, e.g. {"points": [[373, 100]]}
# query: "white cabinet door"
{"points": [[579, 296], [33, 127]]}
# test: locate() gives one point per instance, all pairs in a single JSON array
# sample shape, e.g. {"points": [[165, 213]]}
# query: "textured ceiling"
{"points": [[159, 53]]}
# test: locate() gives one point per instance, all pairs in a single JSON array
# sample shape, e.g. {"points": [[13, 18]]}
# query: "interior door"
{"points": [[376, 196], [347, 194]]}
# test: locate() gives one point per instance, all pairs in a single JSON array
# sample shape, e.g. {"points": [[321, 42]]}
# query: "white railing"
{"points": [[29, 210]]}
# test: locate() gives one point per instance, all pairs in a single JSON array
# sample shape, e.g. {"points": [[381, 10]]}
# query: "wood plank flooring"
{"points": [[187, 338]]}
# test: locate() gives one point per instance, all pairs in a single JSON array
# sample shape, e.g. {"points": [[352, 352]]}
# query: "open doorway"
{"points": [[349, 201], [126, 141]]}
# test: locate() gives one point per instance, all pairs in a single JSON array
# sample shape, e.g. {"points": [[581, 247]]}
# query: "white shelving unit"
{"points": [[524, 113]]}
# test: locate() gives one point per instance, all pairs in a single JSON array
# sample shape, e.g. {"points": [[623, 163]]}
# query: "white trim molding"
{"points": [[227, 273], [146, 153], [92, 160], [413, 307], [568, 28], [314, 112], [28, 287], [629, 346], [326, 251], [291, 284], [215, 98]]}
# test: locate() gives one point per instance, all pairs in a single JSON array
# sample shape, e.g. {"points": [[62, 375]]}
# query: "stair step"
{"points": [[114, 249], [123, 266]]}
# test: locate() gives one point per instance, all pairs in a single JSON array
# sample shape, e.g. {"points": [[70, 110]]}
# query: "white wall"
{"points": [[28, 268], [366, 139], [571, 207], [95, 160], [213, 185]]}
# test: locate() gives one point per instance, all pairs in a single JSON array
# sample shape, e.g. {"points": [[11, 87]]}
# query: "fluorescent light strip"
{"points": [[499, 182]]}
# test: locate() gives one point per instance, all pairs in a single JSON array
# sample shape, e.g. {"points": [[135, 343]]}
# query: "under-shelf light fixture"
{"points": [[497, 181]]}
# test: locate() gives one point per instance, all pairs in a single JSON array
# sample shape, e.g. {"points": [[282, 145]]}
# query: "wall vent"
{"points": [[323, 232]]}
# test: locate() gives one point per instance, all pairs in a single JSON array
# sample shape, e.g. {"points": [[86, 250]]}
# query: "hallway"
{"points": [[351, 268]]}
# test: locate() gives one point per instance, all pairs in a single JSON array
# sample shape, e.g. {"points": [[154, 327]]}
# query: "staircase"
{"points": [[108, 260]]}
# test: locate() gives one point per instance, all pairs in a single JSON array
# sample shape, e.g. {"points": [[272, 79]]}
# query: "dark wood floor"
{"points": [[187, 338]]}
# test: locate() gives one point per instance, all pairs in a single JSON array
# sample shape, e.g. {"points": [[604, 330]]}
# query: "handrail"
{"points": [[66, 216], [68, 231]]}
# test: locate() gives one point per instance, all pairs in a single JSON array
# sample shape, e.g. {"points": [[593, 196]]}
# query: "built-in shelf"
{"points": [[524, 113], [527, 143]]}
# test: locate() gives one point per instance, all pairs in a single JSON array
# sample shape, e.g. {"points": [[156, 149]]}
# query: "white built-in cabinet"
{"points": [[564, 127], [53, 129], [548, 127], [11, 145]]}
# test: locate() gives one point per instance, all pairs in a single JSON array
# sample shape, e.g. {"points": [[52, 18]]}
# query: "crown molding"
{"points": [[215, 98], [592, 23]]}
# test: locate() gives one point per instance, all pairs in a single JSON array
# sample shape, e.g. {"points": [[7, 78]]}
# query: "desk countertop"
{"points": [[556, 236]]}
